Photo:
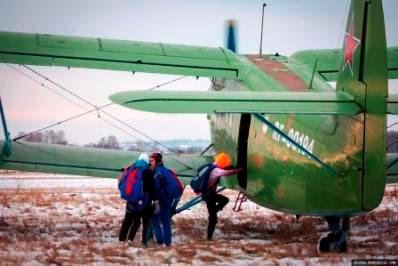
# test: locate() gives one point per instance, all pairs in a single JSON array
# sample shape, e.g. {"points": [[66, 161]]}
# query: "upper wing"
{"points": [[238, 102], [54, 50], [329, 61]]}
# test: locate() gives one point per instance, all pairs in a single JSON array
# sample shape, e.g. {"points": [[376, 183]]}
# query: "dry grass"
{"points": [[80, 226]]}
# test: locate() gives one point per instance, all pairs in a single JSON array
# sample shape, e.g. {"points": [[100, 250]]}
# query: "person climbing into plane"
{"points": [[168, 190], [216, 202], [138, 208]]}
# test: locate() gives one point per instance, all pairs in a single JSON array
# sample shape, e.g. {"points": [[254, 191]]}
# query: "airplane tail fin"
{"points": [[363, 74]]}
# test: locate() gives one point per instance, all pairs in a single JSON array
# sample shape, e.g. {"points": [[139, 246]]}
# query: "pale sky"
{"points": [[289, 26]]}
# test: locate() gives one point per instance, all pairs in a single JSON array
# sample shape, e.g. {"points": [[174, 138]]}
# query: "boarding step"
{"points": [[239, 201]]}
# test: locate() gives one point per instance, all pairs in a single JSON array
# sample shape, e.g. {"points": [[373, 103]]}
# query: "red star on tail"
{"points": [[350, 45]]}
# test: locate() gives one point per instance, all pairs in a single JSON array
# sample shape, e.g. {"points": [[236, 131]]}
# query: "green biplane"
{"points": [[306, 148]]}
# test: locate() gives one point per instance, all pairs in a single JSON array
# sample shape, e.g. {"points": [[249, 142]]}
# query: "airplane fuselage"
{"points": [[281, 174]]}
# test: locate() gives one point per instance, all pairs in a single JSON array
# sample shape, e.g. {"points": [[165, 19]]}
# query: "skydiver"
{"points": [[216, 202], [168, 190], [137, 211]]}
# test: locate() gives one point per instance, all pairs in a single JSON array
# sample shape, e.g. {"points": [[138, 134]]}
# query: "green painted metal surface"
{"points": [[279, 175], [292, 178], [38, 157], [237, 102], [365, 77], [283, 178], [54, 50], [329, 61]]}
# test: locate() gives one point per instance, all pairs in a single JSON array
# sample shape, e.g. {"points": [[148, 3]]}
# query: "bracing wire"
{"points": [[166, 83], [71, 101], [393, 124], [59, 86], [96, 108], [45, 86], [106, 113], [59, 123]]}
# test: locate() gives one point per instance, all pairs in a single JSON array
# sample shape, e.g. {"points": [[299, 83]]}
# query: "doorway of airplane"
{"points": [[244, 128]]}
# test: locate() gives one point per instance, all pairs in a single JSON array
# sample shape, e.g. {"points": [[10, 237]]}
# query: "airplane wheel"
{"points": [[324, 244], [333, 242], [343, 247]]}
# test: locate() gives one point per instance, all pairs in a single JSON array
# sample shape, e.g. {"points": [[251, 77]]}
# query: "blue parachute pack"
{"points": [[168, 182], [131, 185], [200, 181]]}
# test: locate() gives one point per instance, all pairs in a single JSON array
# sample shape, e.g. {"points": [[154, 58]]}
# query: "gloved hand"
{"points": [[156, 207], [237, 170]]}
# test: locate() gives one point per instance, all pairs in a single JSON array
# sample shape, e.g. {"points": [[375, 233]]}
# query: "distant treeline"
{"points": [[59, 137], [48, 136], [173, 146], [168, 146], [111, 142]]}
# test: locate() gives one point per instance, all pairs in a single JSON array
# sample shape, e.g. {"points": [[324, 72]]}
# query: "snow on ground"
{"points": [[46, 219]]}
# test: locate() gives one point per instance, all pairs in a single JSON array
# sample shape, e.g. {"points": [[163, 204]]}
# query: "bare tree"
{"points": [[55, 137], [49, 136], [109, 142], [32, 137]]}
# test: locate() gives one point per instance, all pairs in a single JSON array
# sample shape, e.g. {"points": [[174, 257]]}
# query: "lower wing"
{"points": [[63, 159]]}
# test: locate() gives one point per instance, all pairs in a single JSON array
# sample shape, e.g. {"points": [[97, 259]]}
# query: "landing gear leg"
{"points": [[336, 240]]}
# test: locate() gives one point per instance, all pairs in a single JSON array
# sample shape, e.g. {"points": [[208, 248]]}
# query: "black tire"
{"points": [[343, 247], [324, 245]]}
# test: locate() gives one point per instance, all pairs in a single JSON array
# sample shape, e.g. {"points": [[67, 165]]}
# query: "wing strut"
{"points": [[207, 148], [7, 141]]}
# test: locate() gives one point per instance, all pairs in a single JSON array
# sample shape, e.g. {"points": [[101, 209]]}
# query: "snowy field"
{"points": [[54, 219]]}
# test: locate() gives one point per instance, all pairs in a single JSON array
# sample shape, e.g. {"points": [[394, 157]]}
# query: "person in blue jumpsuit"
{"points": [[168, 189]]}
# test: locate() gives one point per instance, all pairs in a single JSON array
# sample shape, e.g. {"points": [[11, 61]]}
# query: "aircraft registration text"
{"points": [[300, 138]]}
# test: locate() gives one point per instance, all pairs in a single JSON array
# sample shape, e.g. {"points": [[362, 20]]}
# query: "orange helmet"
{"points": [[223, 160]]}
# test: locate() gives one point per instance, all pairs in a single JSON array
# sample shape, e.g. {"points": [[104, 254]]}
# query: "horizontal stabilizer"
{"points": [[329, 61], [237, 102]]}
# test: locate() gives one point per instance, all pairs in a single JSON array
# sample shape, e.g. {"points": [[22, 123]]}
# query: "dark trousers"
{"points": [[132, 221], [161, 224], [215, 203]]}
